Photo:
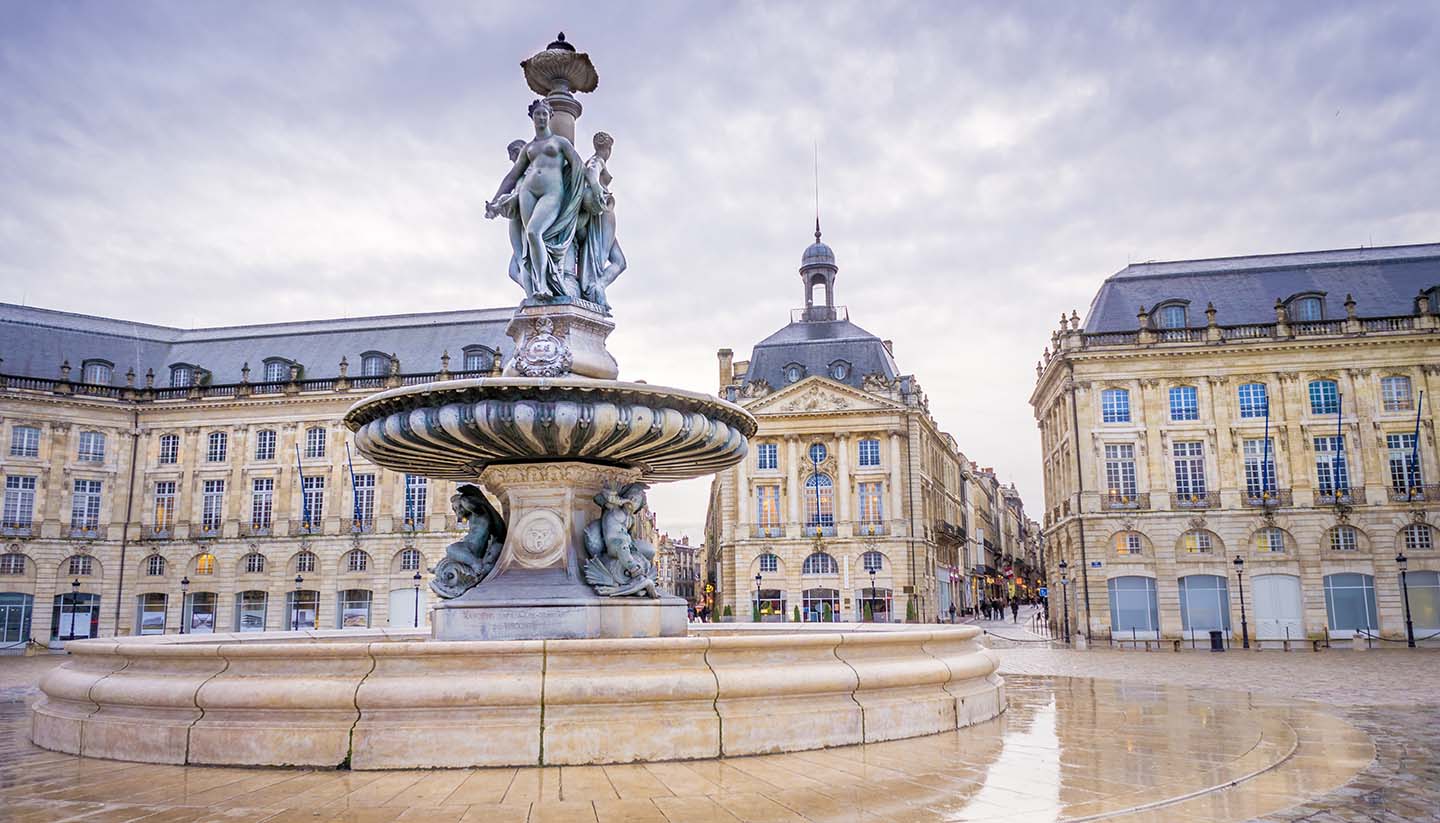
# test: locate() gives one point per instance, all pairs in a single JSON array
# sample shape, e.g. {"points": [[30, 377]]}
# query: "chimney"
{"points": [[727, 367], [889, 346]]}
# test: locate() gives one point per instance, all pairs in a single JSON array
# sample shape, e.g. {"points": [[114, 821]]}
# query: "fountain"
{"points": [[552, 643]]}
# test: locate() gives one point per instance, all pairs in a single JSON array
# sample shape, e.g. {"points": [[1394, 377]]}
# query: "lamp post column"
{"points": [[756, 612], [872, 600], [295, 610], [1402, 561], [1065, 596], [417, 599], [184, 596], [1240, 582]]}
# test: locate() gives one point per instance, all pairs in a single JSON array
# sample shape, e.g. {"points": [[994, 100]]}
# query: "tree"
{"points": [[826, 612], [911, 614], [869, 613], [797, 614]]}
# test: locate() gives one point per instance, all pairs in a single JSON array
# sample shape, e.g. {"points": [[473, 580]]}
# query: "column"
{"points": [[792, 484], [897, 507], [842, 488], [742, 498]]}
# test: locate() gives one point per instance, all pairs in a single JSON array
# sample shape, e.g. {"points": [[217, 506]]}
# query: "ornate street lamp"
{"points": [[74, 599], [1402, 561], [872, 599], [757, 597], [1065, 596], [1240, 580], [184, 595], [417, 599], [295, 612]]}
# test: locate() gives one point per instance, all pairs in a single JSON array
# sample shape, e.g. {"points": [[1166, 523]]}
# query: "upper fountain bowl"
{"points": [[454, 429]]}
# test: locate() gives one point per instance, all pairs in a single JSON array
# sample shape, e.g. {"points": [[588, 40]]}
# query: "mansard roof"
{"points": [[34, 342], [1384, 280], [815, 346]]}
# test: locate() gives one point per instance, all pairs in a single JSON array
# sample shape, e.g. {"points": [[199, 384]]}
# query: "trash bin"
{"points": [[1217, 641]]}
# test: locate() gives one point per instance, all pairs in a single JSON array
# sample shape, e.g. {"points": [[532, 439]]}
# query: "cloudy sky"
{"points": [[983, 166]]}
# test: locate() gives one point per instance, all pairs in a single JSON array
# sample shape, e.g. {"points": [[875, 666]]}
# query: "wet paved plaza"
{"points": [[1099, 735]]}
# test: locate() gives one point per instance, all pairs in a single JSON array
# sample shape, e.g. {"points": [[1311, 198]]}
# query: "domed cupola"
{"points": [[817, 268]]}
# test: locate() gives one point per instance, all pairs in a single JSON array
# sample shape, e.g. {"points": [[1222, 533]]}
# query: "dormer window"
{"points": [[277, 370], [794, 372], [1433, 295], [1306, 308], [182, 375], [374, 364], [840, 370], [98, 372], [479, 358], [1171, 316]]}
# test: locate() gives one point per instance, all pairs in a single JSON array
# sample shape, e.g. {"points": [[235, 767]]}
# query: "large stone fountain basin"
{"points": [[455, 429], [391, 699]]}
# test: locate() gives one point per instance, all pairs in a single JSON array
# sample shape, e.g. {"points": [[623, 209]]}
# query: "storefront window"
{"points": [[199, 617], [1204, 604], [301, 608], [355, 609], [151, 617], [1134, 610], [250, 611]]}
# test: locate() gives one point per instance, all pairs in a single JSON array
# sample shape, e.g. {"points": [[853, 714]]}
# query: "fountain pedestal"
{"points": [[537, 589]]}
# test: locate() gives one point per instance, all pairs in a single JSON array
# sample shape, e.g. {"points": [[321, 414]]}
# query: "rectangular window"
{"points": [[212, 505], [250, 611], [1189, 468], [1184, 403], [1129, 543], [767, 507], [312, 507], [1120, 470], [869, 452], [92, 447], [1331, 474], [354, 609], [416, 491], [1324, 397], [24, 441], [1396, 393], [218, 447], [769, 563], [169, 449], [1259, 467], [19, 502], [262, 502], [1404, 461], [265, 445], [300, 609], [85, 506], [871, 509], [1254, 400], [767, 456], [314, 443], [1115, 406], [164, 505], [151, 617], [364, 499], [1342, 539]]}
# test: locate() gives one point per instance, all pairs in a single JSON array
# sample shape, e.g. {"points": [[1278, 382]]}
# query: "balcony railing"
{"points": [[159, 531], [1255, 331], [1341, 497], [298, 527], [362, 525], [208, 530], [84, 532], [256, 529], [1271, 499], [1194, 500], [819, 530], [17, 529], [1415, 494], [868, 528], [768, 531], [1115, 501], [225, 390]]}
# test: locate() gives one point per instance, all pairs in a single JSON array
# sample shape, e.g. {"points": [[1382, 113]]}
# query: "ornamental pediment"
{"points": [[816, 394]]}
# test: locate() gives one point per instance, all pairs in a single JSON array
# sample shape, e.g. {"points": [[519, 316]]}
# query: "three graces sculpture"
{"points": [[562, 216]]}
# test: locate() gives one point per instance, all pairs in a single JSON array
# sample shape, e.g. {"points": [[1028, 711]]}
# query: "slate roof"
{"points": [[34, 342], [1384, 281], [815, 345]]}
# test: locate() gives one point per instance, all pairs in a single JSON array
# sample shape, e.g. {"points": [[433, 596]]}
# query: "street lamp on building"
{"points": [[1240, 581], [872, 599], [295, 612], [1402, 561], [417, 599], [74, 599], [757, 597], [184, 596], [1065, 596]]}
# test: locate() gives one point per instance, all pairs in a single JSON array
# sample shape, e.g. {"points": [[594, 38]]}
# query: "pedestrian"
{"points": [[952, 612], [1015, 611]]}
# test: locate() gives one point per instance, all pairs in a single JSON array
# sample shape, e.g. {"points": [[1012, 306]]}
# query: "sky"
{"points": [[982, 166]]}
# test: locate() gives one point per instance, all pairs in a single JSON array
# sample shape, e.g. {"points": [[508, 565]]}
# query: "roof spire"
{"points": [[817, 191], [817, 228]]}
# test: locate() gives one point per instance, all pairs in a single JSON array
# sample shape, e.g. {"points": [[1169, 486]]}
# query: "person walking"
{"points": [[1015, 611]]}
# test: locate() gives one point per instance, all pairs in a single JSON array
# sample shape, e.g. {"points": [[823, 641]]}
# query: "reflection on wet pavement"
{"points": [[1068, 749]]}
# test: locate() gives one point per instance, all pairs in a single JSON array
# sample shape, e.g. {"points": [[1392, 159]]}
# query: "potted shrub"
{"points": [[727, 615], [797, 614], [911, 615]]}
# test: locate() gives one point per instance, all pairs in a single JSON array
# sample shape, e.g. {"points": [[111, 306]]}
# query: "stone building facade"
{"points": [[1258, 413], [159, 478], [852, 503]]}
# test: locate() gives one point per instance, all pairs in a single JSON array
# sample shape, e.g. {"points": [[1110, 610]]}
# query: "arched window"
{"points": [[182, 375], [205, 563], [819, 503], [155, 565], [169, 448], [769, 563], [410, 560], [872, 562], [1134, 609], [374, 364], [217, 447], [1307, 309], [98, 372], [1270, 540], [314, 442], [1171, 316], [277, 370], [1129, 544], [1115, 406], [840, 370], [12, 563], [1419, 537], [1324, 397], [1344, 539], [253, 563], [1198, 541], [479, 359], [305, 562], [820, 563], [1254, 400], [794, 372], [1350, 603], [81, 565], [357, 561]]}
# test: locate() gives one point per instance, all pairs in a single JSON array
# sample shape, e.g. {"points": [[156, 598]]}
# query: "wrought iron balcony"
{"points": [[768, 531], [362, 525], [91, 532], [209, 530], [1269, 499], [1114, 501], [1194, 500], [819, 529], [257, 529], [300, 527], [869, 528], [17, 529], [1429, 492], [1342, 497], [159, 531]]}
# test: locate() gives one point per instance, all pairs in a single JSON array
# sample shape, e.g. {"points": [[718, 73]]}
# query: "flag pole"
{"points": [[304, 498]]}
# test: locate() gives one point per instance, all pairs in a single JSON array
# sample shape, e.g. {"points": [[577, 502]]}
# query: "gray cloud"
{"points": [[984, 166]]}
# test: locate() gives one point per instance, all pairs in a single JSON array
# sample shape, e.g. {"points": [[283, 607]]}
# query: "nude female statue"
{"points": [[601, 260], [546, 183]]}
